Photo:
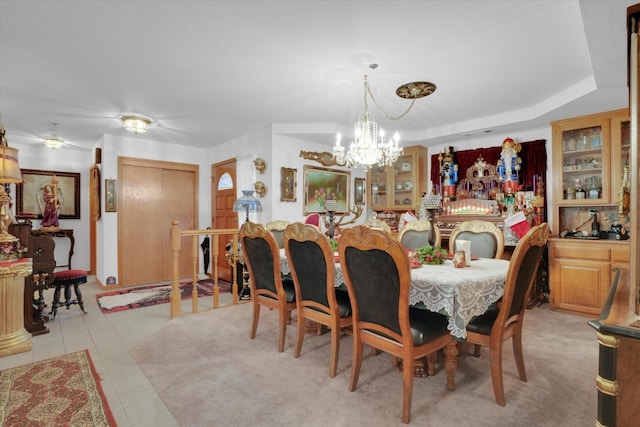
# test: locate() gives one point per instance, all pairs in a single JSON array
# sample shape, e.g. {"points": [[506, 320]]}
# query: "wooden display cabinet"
{"points": [[589, 152], [399, 187]]}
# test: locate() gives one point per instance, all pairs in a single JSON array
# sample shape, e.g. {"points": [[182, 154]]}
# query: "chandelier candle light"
{"points": [[366, 150]]}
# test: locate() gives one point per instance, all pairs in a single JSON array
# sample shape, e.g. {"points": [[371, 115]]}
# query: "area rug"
{"points": [[126, 299], [61, 391], [210, 373]]}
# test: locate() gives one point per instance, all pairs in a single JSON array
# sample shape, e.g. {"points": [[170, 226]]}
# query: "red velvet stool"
{"points": [[68, 278]]}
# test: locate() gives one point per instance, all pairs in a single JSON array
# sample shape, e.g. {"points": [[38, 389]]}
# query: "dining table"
{"points": [[459, 293]]}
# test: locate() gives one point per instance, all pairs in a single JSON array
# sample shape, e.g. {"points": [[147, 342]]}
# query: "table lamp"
{"points": [[247, 203], [9, 174], [331, 205]]}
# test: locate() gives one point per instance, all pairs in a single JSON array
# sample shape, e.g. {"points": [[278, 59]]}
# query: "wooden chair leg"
{"points": [[256, 317], [356, 363], [407, 389], [476, 350], [335, 350], [282, 330], [431, 363], [300, 337], [519, 356], [496, 373]]}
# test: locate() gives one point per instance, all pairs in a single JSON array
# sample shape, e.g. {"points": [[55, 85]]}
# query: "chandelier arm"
{"points": [[368, 90]]}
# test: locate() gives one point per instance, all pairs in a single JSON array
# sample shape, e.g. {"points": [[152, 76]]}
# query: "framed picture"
{"points": [[321, 184], [288, 184], [358, 191], [110, 195], [30, 194]]}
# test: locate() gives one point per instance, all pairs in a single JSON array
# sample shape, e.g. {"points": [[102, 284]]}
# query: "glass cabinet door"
{"points": [[378, 190], [620, 158], [584, 154], [404, 181]]}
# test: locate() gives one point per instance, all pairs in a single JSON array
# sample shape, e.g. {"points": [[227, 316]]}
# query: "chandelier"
{"points": [[369, 146], [52, 141]]}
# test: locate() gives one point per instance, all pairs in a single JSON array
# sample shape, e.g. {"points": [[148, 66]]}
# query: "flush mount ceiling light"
{"points": [[52, 141], [136, 124], [366, 150]]}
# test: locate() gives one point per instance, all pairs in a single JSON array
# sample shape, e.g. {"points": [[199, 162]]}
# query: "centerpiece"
{"points": [[431, 254]]}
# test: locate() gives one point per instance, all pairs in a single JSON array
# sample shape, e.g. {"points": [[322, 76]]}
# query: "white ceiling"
{"points": [[209, 71]]}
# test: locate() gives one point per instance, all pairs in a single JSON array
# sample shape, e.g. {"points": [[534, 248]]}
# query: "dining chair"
{"points": [[262, 258], [494, 327], [378, 279], [310, 257], [420, 233], [277, 228], [487, 239], [313, 219]]}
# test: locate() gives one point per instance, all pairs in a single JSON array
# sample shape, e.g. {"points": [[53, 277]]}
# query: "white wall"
{"points": [[39, 157], [277, 150], [112, 148]]}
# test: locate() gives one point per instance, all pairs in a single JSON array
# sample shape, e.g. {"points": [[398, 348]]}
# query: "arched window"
{"points": [[225, 182]]}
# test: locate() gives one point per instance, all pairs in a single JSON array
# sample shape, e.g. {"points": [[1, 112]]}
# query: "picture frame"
{"points": [[110, 195], [30, 193], [358, 191], [322, 182], [288, 184]]}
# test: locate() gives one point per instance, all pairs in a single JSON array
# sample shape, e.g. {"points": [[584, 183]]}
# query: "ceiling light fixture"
{"points": [[52, 141], [136, 124], [366, 150]]}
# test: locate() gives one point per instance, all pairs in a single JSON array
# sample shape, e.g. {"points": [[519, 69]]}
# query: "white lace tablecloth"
{"points": [[460, 293]]}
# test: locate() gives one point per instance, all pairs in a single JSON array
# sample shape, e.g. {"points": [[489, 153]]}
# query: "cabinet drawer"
{"points": [[577, 250], [620, 254]]}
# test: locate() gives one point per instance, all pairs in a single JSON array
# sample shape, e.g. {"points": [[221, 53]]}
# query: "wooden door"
{"points": [[151, 194], [223, 195]]}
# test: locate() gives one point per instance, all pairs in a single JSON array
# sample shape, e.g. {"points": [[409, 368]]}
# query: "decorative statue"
{"points": [[509, 165], [448, 172], [260, 164], [51, 208], [261, 188]]}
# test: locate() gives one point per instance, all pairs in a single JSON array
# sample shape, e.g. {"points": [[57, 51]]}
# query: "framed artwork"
{"points": [[110, 195], [288, 184], [321, 184], [358, 191], [30, 194]]}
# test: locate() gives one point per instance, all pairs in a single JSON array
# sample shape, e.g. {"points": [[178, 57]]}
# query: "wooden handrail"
{"points": [[176, 236]]}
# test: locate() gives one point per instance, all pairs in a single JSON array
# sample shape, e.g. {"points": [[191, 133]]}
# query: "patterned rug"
{"points": [[128, 298], [61, 391]]}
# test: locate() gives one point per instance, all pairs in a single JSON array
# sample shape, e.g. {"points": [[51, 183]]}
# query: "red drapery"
{"points": [[533, 155]]}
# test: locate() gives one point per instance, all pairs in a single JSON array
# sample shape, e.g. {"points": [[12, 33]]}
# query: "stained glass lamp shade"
{"points": [[247, 203]]}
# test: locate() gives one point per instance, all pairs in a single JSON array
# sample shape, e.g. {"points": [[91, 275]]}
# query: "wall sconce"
{"points": [[260, 164], [261, 188]]}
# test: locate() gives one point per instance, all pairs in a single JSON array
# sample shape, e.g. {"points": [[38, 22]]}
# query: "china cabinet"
{"points": [[590, 164], [399, 187]]}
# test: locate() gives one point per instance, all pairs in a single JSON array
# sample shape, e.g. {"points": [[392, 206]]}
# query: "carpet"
{"points": [[144, 296], [61, 391], [210, 373]]}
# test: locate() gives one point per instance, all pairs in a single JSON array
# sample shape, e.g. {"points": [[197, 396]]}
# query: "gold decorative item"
{"points": [[260, 165], [624, 194], [261, 188], [9, 174], [325, 158]]}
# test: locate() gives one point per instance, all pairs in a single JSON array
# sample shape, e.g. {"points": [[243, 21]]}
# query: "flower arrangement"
{"points": [[11, 250], [431, 255]]}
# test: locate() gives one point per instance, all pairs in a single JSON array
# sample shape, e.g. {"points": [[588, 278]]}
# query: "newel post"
{"points": [[176, 308]]}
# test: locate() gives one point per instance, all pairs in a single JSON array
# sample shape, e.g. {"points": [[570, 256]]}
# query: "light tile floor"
{"points": [[108, 337]]}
